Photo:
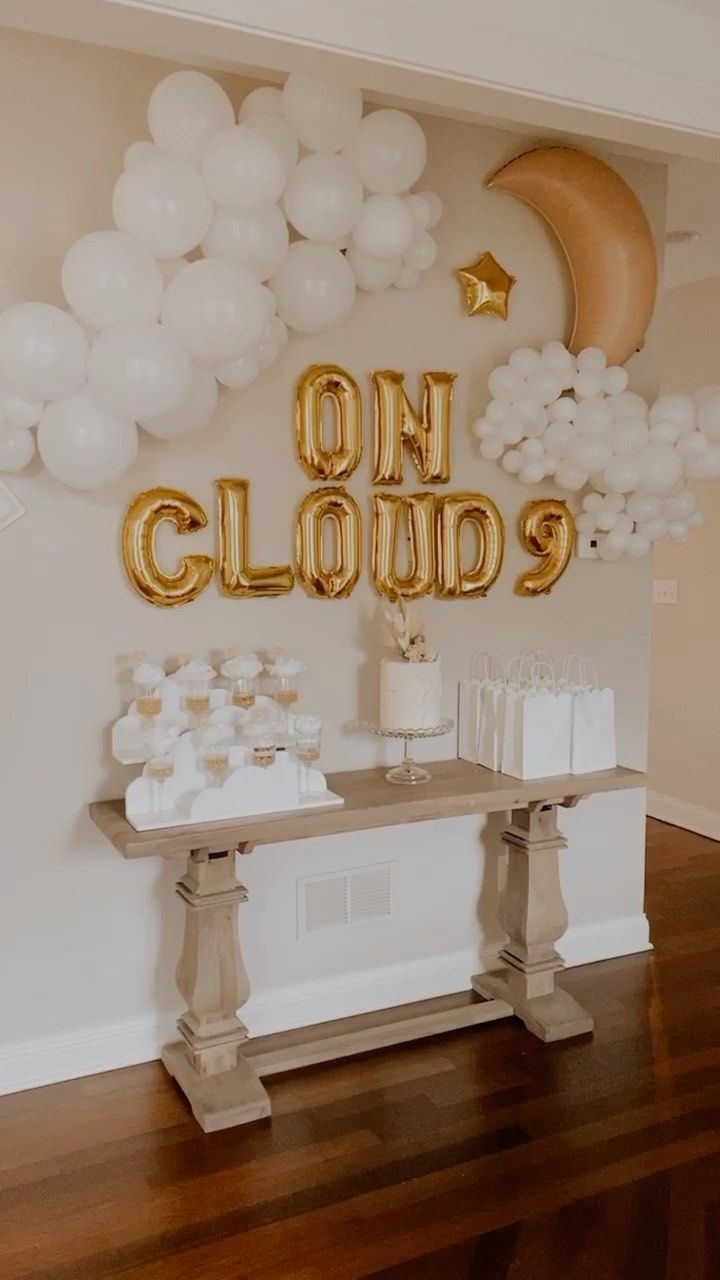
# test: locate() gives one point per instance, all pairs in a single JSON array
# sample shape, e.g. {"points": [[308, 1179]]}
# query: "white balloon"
{"points": [[625, 522], [524, 360], [593, 503], [389, 151], [258, 241], [420, 210], [110, 278], [140, 153], [637, 545], [644, 507], [315, 288], [677, 530], [532, 449], [708, 417], [590, 452], [592, 358], [323, 115], [679, 506], [706, 466], [483, 430], [695, 520], [558, 438], [372, 274], [277, 131], [691, 444], [622, 474], [406, 278], [570, 477], [544, 384], [614, 502], [505, 384], [607, 551], [594, 415], [664, 433], [491, 448], [531, 472], [586, 523], [185, 110], [83, 444], [614, 380], [511, 432], [512, 462], [617, 540], [218, 310], [497, 411], [266, 101], [655, 529], [564, 409], [587, 382], [629, 436], [194, 413], [324, 198], [422, 252], [435, 206], [275, 335], [627, 404], [17, 413], [660, 469], [238, 373], [606, 518], [241, 168], [677, 409], [17, 448], [533, 416], [385, 228], [163, 204], [43, 351], [139, 372], [556, 358]]}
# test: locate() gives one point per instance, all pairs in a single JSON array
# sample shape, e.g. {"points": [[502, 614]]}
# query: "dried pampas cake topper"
{"points": [[406, 633]]}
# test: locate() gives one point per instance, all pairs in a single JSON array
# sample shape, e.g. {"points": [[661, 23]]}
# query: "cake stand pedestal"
{"points": [[409, 773]]}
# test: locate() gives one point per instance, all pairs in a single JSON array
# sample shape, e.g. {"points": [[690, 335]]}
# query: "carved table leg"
{"points": [[220, 1085], [533, 915]]}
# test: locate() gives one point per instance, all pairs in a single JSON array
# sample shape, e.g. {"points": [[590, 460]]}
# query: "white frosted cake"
{"points": [[410, 694]]}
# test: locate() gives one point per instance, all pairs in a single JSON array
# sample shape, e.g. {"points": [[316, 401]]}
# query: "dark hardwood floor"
{"points": [[479, 1156]]}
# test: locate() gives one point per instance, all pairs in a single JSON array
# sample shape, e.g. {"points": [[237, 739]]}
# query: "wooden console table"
{"points": [[219, 1067]]}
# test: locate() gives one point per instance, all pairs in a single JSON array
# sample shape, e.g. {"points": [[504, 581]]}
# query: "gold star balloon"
{"points": [[486, 286]]}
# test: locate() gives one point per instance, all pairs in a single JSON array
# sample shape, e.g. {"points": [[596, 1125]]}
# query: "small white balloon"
{"points": [[617, 540], [614, 501], [483, 430], [17, 448], [238, 373], [512, 462], [625, 522], [592, 503], [622, 474], [691, 444], [110, 278], [258, 241], [587, 382], [614, 380], [594, 415], [679, 506], [706, 466], [275, 130], [606, 518], [627, 404], [497, 411], [629, 436], [695, 519], [492, 448], [323, 198], [17, 413], [533, 416], [586, 523], [406, 278], [266, 101], [637, 545], [195, 412], [532, 448], [708, 417], [218, 310], [511, 431], [505, 384], [655, 529], [531, 472], [660, 469], [556, 358], [241, 168], [140, 153], [524, 360], [323, 115], [275, 335], [185, 110], [644, 507], [677, 530], [570, 477], [564, 409], [664, 433], [592, 358], [544, 384], [164, 205], [372, 274], [43, 351], [590, 452], [607, 551], [315, 288], [139, 372], [384, 228], [389, 150], [677, 409], [558, 438], [422, 252], [435, 206], [420, 210], [83, 444]]}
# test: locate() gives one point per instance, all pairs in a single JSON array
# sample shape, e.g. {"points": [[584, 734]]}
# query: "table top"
{"points": [[456, 789]]}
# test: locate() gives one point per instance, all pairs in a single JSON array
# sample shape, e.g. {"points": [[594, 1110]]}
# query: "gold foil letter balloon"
{"points": [[342, 511], [454, 511], [413, 516], [606, 238], [547, 529], [397, 424], [237, 577], [321, 383], [143, 517]]}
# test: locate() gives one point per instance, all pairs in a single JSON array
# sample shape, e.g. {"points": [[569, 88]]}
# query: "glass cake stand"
{"points": [[409, 774]]}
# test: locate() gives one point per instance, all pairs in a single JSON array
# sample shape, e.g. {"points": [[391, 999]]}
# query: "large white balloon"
{"points": [[277, 131], [628, 404], [164, 204], [185, 110], [265, 101], [389, 151], [275, 335], [258, 241], [83, 444], [16, 413], [660, 469], [590, 452], [678, 506], [217, 309], [324, 116], [677, 409], [323, 198], [372, 274], [435, 205], [708, 417], [422, 252], [241, 168], [238, 373], [315, 287], [110, 278], [570, 477], [385, 228], [139, 372], [194, 413], [43, 351], [629, 436], [17, 448], [706, 466], [643, 507], [139, 153]]}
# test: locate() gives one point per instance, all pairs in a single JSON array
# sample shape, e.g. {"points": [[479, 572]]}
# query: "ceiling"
{"points": [[693, 205]]}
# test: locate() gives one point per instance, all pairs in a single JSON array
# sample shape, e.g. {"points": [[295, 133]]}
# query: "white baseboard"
{"points": [[692, 817], [30, 1063]]}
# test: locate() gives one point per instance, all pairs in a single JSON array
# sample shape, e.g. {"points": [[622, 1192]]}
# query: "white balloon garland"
{"points": [[148, 335], [571, 419]]}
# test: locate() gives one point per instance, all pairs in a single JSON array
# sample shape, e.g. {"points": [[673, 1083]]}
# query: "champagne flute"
{"points": [[306, 748], [215, 752], [147, 677], [160, 763]]}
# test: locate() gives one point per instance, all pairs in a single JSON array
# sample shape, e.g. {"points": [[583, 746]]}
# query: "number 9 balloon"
{"points": [[547, 529]]}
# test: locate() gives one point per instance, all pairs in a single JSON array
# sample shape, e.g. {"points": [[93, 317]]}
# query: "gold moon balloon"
{"points": [[606, 239]]}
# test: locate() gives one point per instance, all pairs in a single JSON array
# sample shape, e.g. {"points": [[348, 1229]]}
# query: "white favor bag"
{"points": [[593, 723], [537, 724], [478, 712]]}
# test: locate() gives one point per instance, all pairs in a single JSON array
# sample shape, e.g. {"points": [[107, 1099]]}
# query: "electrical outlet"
{"points": [[665, 591], [586, 546]]}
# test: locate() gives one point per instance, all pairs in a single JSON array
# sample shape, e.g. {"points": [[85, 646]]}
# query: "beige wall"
{"points": [[91, 941], [684, 748]]}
